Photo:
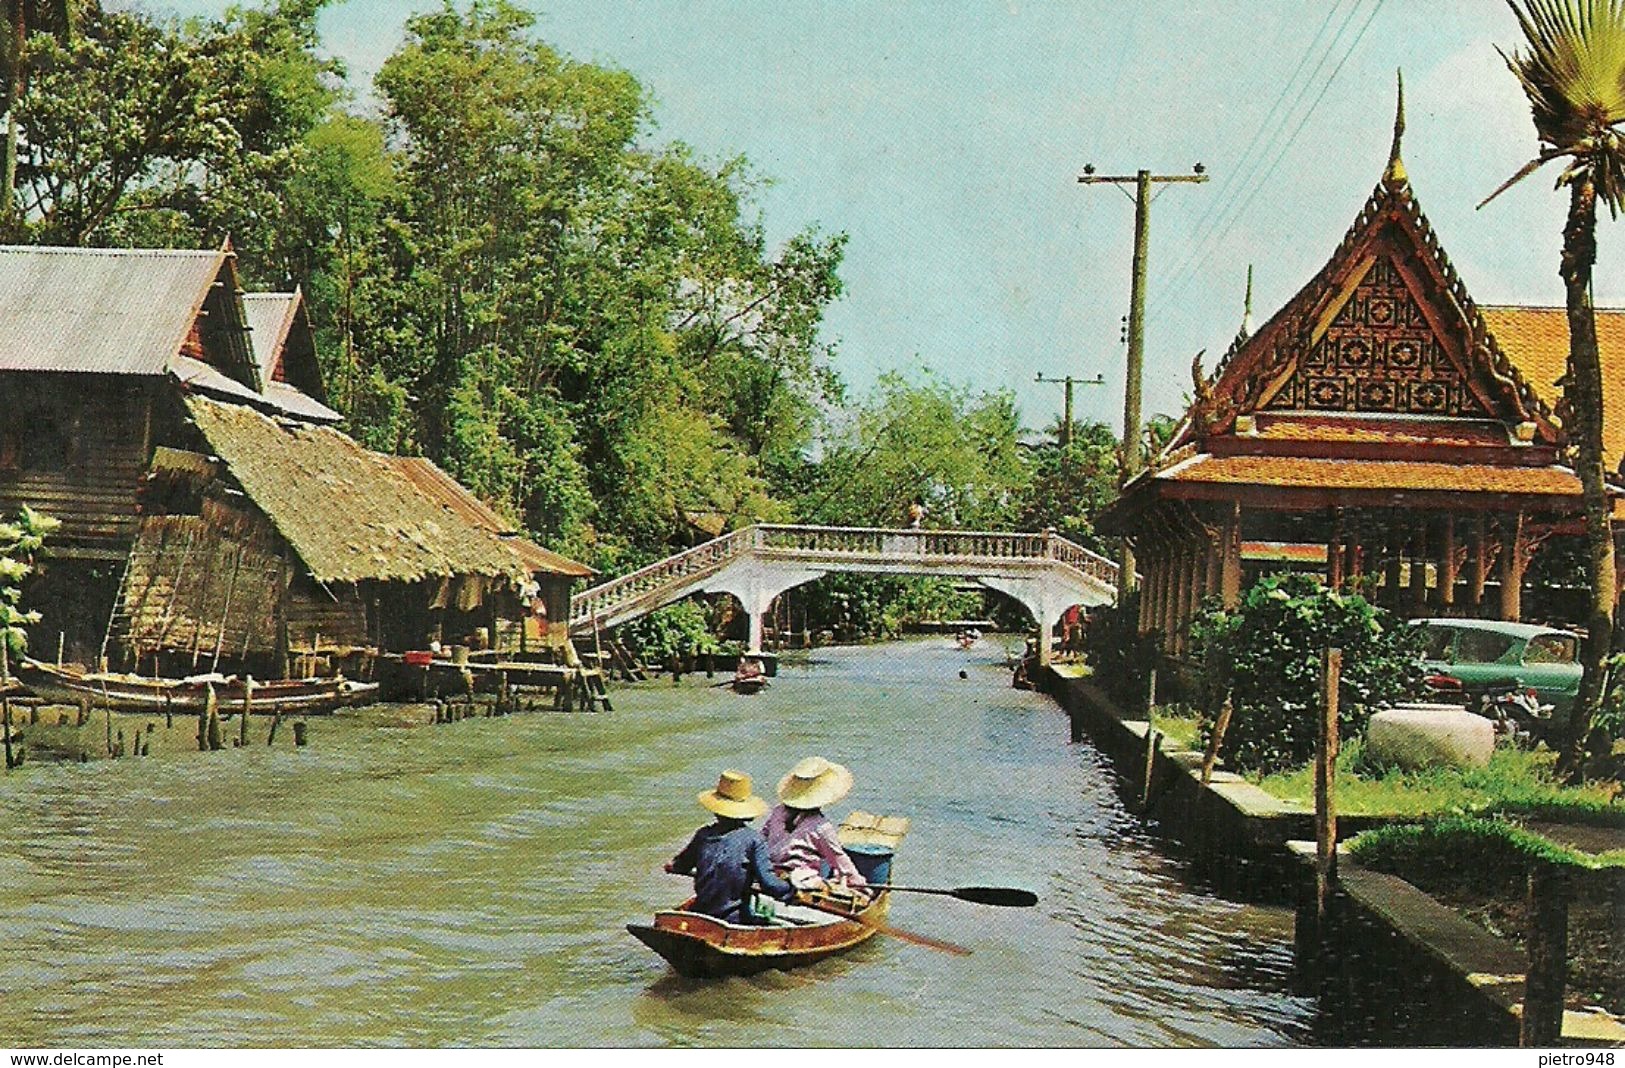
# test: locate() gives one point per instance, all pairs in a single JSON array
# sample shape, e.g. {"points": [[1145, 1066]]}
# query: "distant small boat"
{"points": [[704, 947], [748, 684], [133, 693]]}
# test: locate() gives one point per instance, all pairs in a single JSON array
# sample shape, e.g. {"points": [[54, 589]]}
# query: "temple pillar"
{"points": [[1514, 540], [1334, 552], [1148, 589], [1395, 566], [1478, 558], [1419, 566], [1230, 559], [1449, 563]]}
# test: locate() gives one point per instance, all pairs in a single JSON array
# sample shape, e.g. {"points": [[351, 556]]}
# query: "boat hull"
{"points": [[749, 685], [703, 947], [126, 693]]}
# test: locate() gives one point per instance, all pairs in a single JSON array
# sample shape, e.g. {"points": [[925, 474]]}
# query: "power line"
{"points": [[1206, 247], [1229, 188]]}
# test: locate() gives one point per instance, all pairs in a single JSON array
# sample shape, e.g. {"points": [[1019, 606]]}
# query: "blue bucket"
{"points": [[872, 861]]}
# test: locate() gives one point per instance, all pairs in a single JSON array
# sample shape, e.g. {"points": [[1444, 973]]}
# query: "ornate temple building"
{"points": [[1382, 429]]}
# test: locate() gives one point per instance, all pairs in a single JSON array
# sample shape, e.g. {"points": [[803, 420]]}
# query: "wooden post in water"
{"points": [[1331, 674], [1153, 742], [248, 708], [276, 721], [300, 733], [211, 705], [108, 712], [1541, 1023], [1222, 724], [61, 639]]}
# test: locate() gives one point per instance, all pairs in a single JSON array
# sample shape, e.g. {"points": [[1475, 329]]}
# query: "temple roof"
{"points": [[1537, 342]]}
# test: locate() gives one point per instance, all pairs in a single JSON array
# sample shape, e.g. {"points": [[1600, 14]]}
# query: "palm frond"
{"points": [[1573, 73]]}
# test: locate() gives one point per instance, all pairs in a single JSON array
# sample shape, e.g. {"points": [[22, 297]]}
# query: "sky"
{"points": [[945, 138]]}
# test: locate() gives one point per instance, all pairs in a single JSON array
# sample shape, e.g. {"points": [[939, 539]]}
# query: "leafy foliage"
{"points": [[1267, 655], [1120, 656], [19, 541], [1069, 484], [675, 630], [927, 442]]}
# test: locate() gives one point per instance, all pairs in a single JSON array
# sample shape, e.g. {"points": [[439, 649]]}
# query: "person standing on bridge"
{"points": [[800, 838], [729, 856]]}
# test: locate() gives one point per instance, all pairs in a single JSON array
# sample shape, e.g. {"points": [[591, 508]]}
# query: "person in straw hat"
{"points": [[728, 856], [800, 838]]}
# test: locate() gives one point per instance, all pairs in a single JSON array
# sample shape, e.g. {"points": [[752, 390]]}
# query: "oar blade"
{"points": [[1004, 896]]}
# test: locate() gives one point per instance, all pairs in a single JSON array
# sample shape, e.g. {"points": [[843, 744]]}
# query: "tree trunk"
{"points": [[14, 94], [1583, 392]]}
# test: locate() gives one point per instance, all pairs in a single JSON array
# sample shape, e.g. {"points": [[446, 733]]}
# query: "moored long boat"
{"points": [[701, 946], [133, 693]]}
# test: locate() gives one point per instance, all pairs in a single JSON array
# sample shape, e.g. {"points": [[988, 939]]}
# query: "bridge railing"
{"points": [[905, 541], [604, 598], [868, 542], [957, 544], [1089, 562]]}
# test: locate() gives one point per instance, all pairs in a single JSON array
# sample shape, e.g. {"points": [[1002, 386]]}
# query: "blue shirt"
{"points": [[726, 858]]}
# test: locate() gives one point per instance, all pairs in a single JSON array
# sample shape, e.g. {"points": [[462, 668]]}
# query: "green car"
{"points": [[1479, 652]]}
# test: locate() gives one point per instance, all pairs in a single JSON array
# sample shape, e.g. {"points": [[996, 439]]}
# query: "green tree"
{"points": [[19, 541], [146, 131], [19, 19], [586, 326], [1068, 485], [927, 442], [1573, 73]]}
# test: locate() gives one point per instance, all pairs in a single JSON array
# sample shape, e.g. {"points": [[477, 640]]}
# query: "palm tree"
{"points": [[18, 19], [1574, 75]]}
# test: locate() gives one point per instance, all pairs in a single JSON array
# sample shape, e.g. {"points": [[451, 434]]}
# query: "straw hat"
{"points": [[814, 783], [732, 797]]}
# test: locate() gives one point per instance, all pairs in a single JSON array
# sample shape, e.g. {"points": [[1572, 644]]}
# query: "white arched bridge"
{"points": [[1046, 573]]}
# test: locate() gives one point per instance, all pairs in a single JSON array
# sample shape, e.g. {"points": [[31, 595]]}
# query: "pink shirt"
{"points": [[812, 841]]}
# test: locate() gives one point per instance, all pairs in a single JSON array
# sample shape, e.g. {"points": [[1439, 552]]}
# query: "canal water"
{"points": [[400, 883]]}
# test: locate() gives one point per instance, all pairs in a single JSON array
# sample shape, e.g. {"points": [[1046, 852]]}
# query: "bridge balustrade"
{"points": [[651, 585]]}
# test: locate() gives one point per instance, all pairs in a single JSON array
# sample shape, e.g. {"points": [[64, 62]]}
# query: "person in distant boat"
{"points": [[749, 668], [728, 857], [800, 838]]}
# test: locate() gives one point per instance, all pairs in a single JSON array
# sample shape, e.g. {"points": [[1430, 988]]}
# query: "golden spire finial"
{"points": [[1395, 174]]}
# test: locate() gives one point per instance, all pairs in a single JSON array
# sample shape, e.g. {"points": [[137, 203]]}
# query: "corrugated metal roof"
{"points": [[269, 317], [428, 477], [350, 513], [106, 311]]}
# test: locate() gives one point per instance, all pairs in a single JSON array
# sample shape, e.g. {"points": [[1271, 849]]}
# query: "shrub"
{"points": [[1266, 653], [676, 630], [1121, 658]]}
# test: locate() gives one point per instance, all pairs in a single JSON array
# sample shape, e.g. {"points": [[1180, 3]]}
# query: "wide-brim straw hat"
{"points": [[732, 797], [814, 783]]}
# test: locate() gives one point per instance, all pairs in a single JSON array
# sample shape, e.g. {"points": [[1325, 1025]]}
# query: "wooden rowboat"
{"points": [[133, 693], [816, 927], [748, 684]]}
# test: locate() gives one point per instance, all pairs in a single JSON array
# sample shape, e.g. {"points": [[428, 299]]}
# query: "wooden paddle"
{"points": [[1003, 896], [895, 932]]}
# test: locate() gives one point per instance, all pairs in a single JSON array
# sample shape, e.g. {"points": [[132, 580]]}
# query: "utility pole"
{"points": [[1142, 181], [1066, 420]]}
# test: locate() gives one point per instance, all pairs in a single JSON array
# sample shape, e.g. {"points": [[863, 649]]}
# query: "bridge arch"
{"points": [[1045, 572]]}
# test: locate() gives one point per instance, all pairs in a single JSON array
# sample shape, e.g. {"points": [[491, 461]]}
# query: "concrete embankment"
{"points": [[1394, 964]]}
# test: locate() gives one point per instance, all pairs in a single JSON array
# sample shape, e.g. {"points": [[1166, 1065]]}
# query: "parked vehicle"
{"points": [[1487, 658]]}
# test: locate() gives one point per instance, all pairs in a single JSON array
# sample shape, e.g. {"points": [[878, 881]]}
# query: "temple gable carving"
{"points": [[1378, 354]]}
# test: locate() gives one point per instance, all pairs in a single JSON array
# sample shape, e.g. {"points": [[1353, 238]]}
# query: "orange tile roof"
{"points": [[1400, 475], [1377, 429], [1537, 341]]}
